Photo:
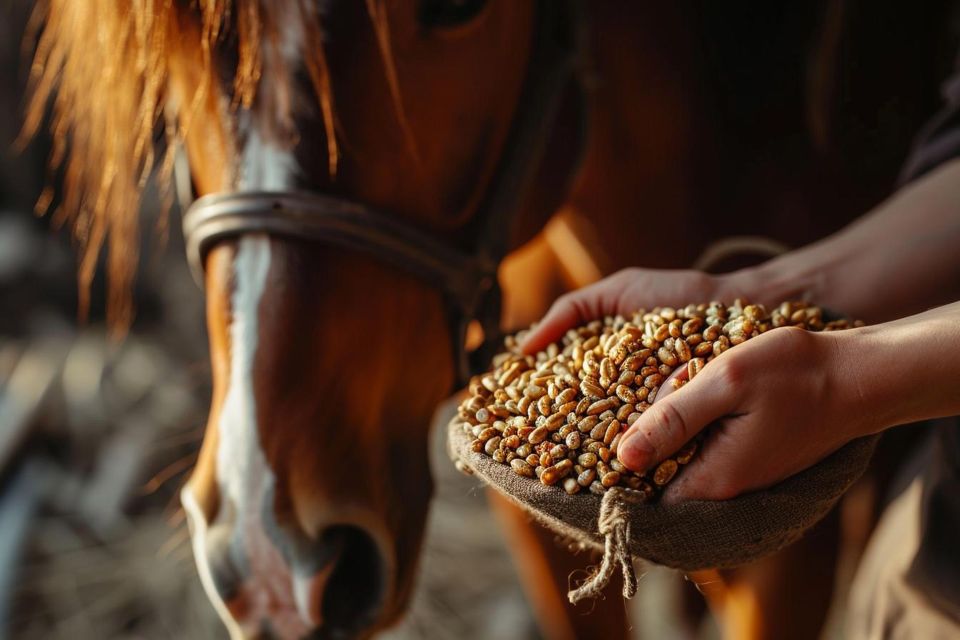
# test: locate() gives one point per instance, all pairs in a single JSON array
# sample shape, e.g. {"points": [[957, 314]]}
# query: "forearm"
{"points": [[902, 371], [900, 259]]}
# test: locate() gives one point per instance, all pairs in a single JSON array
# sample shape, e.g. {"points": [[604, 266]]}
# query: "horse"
{"points": [[368, 177]]}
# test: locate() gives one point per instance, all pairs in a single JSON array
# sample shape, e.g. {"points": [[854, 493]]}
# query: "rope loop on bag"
{"points": [[613, 524]]}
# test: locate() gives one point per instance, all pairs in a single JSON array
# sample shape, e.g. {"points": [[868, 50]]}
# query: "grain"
{"points": [[603, 405], [665, 472], [558, 416], [492, 444], [550, 476], [610, 479], [522, 467], [586, 477], [686, 453]]}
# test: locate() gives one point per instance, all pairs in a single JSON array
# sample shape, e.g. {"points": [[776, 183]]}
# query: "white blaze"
{"points": [[265, 166], [244, 478], [241, 467]]}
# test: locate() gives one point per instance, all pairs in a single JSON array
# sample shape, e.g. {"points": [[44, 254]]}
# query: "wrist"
{"points": [[863, 381], [773, 282], [819, 274], [902, 371]]}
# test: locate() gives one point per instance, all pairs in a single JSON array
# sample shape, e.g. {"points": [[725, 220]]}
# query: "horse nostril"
{"points": [[220, 560], [349, 596]]}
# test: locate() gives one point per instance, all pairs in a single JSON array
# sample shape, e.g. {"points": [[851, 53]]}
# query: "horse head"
{"points": [[329, 351], [309, 499]]}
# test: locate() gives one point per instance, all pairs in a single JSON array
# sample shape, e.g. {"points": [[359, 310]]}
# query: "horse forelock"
{"points": [[103, 76]]}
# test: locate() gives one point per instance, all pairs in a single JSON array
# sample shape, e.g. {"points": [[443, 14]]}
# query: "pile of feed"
{"points": [[543, 431], [560, 415]]}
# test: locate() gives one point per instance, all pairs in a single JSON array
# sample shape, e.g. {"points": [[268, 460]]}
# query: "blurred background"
{"points": [[98, 436], [95, 436]]}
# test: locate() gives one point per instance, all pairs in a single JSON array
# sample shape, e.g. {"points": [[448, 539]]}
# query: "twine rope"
{"points": [[614, 525]]}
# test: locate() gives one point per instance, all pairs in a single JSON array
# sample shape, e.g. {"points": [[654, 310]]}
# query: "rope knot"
{"points": [[613, 524]]}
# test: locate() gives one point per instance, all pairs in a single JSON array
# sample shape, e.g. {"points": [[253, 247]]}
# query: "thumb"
{"points": [[714, 474], [670, 423]]}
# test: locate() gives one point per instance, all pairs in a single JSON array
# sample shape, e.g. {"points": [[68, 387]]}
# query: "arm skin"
{"points": [[788, 398], [899, 259]]}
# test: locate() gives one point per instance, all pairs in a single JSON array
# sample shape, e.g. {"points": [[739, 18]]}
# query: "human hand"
{"points": [[776, 405], [629, 290]]}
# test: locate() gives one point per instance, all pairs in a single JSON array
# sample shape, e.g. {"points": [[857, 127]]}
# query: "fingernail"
{"points": [[635, 452]]}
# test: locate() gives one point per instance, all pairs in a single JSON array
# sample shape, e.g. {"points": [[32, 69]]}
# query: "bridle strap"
{"points": [[552, 65], [467, 279], [340, 223]]}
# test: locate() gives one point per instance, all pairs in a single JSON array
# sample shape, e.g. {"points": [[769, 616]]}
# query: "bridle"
{"points": [[467, 278]]}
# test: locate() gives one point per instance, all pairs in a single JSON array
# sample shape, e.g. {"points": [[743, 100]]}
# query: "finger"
{"points": [[572, 309], [676, 379], [715, 473], [672, 422], [562, 315]]}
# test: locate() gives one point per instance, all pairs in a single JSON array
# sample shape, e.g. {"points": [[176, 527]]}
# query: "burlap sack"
{"points": [[688, 536]]}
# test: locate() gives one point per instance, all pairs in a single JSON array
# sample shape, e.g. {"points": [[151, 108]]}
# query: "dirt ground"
{"points": [[91, 575]]}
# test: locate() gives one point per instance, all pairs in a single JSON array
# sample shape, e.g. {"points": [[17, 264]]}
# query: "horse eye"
{"points": [[448, 13]]}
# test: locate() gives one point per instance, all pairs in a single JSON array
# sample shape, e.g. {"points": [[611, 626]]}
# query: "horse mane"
{"points": [[103, 70]]}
